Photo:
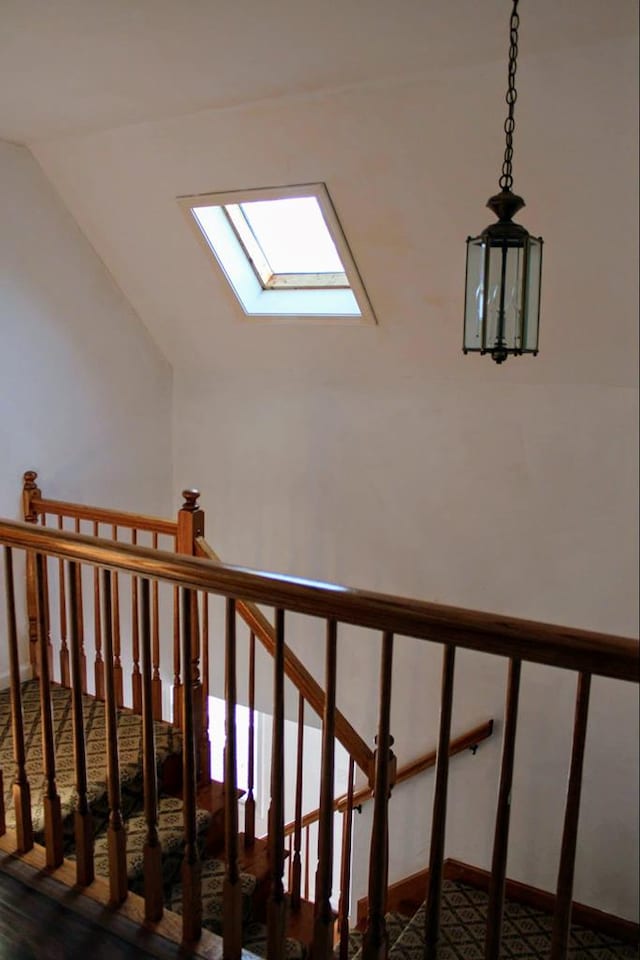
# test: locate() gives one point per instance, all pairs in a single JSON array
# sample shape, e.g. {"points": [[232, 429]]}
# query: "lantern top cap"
{"points": [[505, 205]]}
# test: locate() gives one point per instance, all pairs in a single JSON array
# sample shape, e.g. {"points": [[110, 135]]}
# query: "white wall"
{"points": [[381, 457], [85, 394]]}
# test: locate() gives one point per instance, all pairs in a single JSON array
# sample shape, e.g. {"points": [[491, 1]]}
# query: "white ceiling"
{"points": [[78, 65], [397, 107]]}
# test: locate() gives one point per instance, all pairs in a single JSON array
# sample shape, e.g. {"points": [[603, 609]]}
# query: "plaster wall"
{"points": [[85, 395]]}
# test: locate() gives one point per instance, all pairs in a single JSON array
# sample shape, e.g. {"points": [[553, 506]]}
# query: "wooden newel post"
{"points": [[190, 527], [30, 493]]}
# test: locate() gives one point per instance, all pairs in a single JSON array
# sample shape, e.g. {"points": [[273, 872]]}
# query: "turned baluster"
{"points": [[205, 743], [52, 811], [277, 906], [21, 788], [232, 893], [118, 676], [190, 526], [564, 890], [345, 868], [296, 865], [156, 681], [47, 607], [153, 899], [375, 941], [83, 819], [80, 619], [438, 823], [116, 836], [250, 803], [98, 670], [324, 920], [501, 836], [136, 679], [64, 649], [191, 880], [307, 859], [177, 683], [30, 494]]}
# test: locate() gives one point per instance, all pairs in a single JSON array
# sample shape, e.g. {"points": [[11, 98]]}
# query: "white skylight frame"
{"points": [[286, 299]]}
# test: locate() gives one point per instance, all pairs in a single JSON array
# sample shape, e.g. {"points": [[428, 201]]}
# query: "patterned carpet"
{"points": [[170, 824], [526, 932]]}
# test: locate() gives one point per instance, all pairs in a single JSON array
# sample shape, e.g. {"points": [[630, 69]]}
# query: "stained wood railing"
{"points": [[580, 651]]}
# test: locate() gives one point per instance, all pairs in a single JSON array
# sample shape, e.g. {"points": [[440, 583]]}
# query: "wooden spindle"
{"points": [[501, 837], [324, 919], [153, 898], [191, 880], [205, 743], [136, 678], [375, 940], [345, 868], [116, 836], [177, 683], [250, 803], [156, 680], [307, 859], [277, 906], [232, 893], [30, 493], [98, 670], [118, 676], [80, 619], [564, 892], [47, 606], [21, 788], [62, 601], [52, 810], [439, 820], [83, 818], [296, 866]]}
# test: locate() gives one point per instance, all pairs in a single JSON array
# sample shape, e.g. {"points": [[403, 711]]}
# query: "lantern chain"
{"points": [[506, 180]]}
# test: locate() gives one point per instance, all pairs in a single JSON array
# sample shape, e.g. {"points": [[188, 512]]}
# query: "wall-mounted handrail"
{"points": [[466, 741], [298, 673], [572, 649]]}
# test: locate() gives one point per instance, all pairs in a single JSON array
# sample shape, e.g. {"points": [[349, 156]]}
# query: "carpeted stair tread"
{"points": [[212, 877], [396, 922], [526, 932], [254, 939], [168, 742], [171, 835]]}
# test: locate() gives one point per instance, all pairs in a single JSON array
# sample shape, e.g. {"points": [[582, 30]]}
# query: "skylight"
{"points": [[283, 252]]}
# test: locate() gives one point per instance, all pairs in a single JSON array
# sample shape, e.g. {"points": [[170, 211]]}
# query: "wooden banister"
{"points": [[82, 511], [585, 651], [298, 674]]}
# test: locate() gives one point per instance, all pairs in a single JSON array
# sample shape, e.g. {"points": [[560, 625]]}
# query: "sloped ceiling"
{"points": [[398, 108]]}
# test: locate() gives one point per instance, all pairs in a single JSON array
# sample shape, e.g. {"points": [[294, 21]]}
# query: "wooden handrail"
{"points": [[572, 649], [466, 741], [119, 518], [297, 672]]}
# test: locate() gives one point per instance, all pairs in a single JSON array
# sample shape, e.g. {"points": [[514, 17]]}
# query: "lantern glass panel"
{"points": [[504, 296], [532, 295], [474, 294]]}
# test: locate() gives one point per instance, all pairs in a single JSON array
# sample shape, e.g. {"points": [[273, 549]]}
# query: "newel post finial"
{"points": [[190, 500], [30, 492]]}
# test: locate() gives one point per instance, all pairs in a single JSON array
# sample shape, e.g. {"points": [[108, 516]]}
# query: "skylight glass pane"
{"points": [[293, 235]]}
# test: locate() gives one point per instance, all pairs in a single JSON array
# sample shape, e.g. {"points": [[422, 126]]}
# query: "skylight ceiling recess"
{"points": [[283, 252]]}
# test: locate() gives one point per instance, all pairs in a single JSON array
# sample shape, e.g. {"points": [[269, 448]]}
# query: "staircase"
{"points": [[111, 752]]}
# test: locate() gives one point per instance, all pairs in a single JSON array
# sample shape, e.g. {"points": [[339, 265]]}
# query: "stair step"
{"points": [[212, 878], [168, 744], [396, 923], [171, 834]]}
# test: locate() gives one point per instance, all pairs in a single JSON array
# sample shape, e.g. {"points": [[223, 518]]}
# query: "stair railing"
{"points": [[583, 652]]}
